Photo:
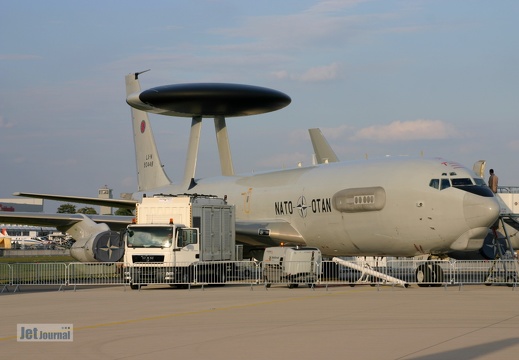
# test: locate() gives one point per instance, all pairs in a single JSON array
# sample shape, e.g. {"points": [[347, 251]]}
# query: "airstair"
{"points": [[505, 267], [367, 271]]}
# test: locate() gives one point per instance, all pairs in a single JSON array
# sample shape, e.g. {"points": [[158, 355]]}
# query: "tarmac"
{"points": [[253, 322]]}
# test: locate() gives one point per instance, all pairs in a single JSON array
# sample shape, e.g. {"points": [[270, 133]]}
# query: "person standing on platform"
{"points": [[492, 181]]}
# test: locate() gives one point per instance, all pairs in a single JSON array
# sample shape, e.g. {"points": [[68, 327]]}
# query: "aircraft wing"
{"points": [[62, 220], [119, 203], [271, 232]]}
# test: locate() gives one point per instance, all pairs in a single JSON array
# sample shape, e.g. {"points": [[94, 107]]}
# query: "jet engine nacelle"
{"points": [[94, 242], [489, 251]]}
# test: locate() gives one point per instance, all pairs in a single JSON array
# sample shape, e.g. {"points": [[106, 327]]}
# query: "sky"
{"points": [[433, 78]]}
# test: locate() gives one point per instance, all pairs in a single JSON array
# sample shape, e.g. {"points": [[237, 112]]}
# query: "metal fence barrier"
{"points": [[184, 275], [38, 274], [289, 274], [5, 277], [95, 274]]}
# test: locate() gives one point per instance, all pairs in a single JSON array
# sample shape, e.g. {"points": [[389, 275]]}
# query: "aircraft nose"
{"points": [[480, 211]]}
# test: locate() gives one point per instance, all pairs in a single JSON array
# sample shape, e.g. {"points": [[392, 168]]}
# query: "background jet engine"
{"points": [[94, 242]]}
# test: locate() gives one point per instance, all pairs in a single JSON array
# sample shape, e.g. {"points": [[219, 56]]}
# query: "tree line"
{"points": [[71, 209]]}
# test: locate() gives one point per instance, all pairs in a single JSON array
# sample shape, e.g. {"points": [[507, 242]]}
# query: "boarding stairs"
{"points": [[505, 267], [367, 271]]}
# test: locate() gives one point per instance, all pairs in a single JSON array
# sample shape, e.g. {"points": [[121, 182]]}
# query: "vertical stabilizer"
{"points": [[150, 173], [323, 151]]}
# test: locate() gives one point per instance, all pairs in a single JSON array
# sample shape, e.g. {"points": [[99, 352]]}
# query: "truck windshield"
{"points": [[150, 236]]}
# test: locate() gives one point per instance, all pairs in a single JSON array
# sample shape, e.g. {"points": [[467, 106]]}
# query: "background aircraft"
{"points": [[397, 206]]}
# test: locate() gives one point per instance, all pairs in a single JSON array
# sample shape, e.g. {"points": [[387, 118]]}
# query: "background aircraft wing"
{"points": [[119, 203], [267, 232], [62, 220]]}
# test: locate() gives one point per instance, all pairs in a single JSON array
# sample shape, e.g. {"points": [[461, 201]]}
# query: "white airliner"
{"points": [[395, 206]]}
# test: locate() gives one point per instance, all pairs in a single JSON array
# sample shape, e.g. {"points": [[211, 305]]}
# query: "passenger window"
{"points": [[445, 184], [435, 183]]}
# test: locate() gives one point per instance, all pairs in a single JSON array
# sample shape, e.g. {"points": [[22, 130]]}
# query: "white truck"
{"points": [[180, 239], [291, 265]]}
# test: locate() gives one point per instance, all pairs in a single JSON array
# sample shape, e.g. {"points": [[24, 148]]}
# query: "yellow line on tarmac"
{"points": [[198, 312]]}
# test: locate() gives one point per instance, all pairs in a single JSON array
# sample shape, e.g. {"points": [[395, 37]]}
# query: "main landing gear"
{"points": [[429, 274]]}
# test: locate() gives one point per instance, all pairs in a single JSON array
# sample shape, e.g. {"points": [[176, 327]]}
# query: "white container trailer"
{"points": [[291, 265]]}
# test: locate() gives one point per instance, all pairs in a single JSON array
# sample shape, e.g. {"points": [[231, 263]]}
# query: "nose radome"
{"points": [[480, 211]]}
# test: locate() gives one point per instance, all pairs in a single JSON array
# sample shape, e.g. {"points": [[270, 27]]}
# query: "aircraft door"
{"points": [[247, 197]]}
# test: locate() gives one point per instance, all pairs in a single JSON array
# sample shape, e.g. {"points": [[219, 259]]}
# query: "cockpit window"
{"points": [[464, 181], [467, 185], [480, 182], [475, 186], [477, 190]]}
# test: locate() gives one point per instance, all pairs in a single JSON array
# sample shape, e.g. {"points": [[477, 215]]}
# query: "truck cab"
{"points": [[180, 239], [160, 243]]}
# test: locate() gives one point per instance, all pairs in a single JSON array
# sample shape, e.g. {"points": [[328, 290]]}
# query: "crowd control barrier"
{"points": [[392, 272]]}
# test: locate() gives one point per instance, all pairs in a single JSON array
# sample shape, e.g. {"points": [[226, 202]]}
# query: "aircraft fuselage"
{"points": [[386, 207]]}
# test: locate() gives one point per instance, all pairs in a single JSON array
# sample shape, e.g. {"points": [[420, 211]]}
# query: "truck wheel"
{"points": [[221, 279], [186, 276], [134, 286], [293, 286]]}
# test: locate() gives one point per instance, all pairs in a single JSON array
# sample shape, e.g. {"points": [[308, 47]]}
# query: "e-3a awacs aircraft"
{"points": [[388, 207]]}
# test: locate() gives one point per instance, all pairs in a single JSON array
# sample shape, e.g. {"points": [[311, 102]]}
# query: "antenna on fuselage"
{"points": [[140, 72]]}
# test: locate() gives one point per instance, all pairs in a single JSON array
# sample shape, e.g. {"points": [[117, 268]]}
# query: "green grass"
{"points": [[49, 270], [37, 259]]}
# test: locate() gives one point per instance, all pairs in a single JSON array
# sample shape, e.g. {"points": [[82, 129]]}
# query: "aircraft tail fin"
{"points": [[150, 173], [323, 151]]}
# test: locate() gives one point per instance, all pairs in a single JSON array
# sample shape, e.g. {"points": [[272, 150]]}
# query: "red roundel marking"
{"points": [[143, 126]]}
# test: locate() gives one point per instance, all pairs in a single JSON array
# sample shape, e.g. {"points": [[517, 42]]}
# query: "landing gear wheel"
{"points": [[429, 275]]}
